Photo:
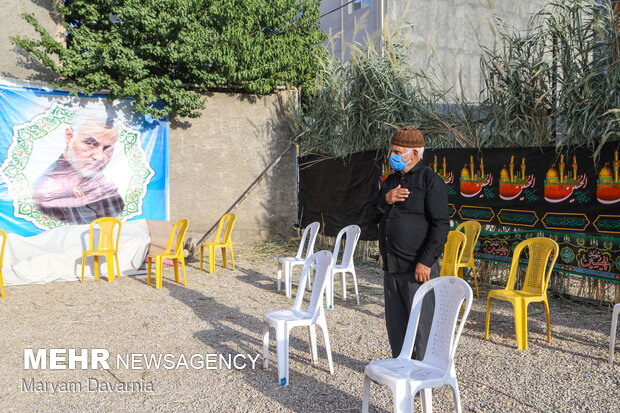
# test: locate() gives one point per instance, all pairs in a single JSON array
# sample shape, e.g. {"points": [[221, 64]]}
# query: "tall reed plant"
{"points": [[358, 105], [555, 83]]}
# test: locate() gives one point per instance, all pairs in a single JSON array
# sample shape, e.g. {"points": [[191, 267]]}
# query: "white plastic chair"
{"points": [[308, 238], [612, 334], [283, 321], [405, 376], [352, 236]]}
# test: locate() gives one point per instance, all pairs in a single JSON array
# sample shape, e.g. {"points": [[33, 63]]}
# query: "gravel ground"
{"points": [[222, 314]]}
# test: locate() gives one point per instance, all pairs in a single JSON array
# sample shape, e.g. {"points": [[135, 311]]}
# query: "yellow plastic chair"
{"points": [[452, 253], [107, 247], [1, 259], [228, 220], [179, 229], [472, 232], [534, 286]]}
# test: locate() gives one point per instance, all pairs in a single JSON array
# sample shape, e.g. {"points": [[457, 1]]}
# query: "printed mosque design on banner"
{"points": [[559, 186], [512, 184], [472, 182], [25, 138], [608, 183], [448, 177]]}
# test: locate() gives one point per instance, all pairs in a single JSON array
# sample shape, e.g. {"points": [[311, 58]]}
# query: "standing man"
{"points": [[413, 228], [73, 189]]}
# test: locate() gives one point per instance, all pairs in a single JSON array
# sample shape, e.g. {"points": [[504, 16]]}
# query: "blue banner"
{"points": [[71, 159]]}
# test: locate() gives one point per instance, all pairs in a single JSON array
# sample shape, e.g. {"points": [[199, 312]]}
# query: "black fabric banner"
{"points": [[532, 187], [338, 194]]}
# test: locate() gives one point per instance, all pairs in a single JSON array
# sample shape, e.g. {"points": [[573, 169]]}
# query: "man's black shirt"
{"points": [[414, 230]]}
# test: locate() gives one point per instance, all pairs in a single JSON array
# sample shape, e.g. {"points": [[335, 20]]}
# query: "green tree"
{"points": [[163, 54]]}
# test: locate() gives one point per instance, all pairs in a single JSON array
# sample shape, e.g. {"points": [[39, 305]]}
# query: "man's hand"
{"points": [[422, 273], [397, 194]]}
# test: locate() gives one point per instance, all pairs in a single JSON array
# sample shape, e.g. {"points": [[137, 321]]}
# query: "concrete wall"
{"points": [[451, 30], [347, 25], [215, 158], [15, 63], [447, 29]]}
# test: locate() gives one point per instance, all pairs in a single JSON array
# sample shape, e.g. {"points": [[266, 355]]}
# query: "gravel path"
{"points": [[222, 314]]}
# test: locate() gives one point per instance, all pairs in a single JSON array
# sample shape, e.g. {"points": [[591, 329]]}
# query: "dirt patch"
{"points": [[222, 314]]}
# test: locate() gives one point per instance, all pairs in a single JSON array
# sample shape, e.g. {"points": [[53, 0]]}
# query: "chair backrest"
{"points": [[2, 248], [323, 262], [308, 238], [450, 292], [472, 231], [107, 241], [179, 229], [453, 252], [537, 275], [228, 220], [352, 235]]}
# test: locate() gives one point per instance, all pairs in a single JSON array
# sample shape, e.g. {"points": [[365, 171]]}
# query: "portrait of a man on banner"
{"points": [[74, 189], [79, 159]]}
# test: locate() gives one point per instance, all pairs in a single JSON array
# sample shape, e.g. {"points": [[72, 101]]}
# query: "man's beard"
{"points": [[75, 164]]}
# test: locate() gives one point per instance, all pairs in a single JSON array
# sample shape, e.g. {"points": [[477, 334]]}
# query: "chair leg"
{"points": [[287, 279], [202, 250], [182, 259], [546, 304], [279, 282], [366, 394], [282, 350], [110, 263], [2, 284], [175, 264], [96, 259], [486, 334], [83, 262], [426, 399], [232, 257], [329, 291], [612, 333], [344, 285], [118, 268], [457, 397], [402, 402], [159, 264], [211, 259], [313, 351], [357, 296], [148, 269], [311, 276], [224, 256], [520, 314], [265, 344], [323, 324], [473, 269]]}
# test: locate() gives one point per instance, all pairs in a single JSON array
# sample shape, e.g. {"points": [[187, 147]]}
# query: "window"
{"points": [[360, 4]]}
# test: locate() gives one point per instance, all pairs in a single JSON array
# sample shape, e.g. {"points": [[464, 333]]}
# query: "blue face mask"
{"points": [[397, 163]]}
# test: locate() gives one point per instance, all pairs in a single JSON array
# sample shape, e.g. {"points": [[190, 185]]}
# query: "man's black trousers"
{"points": [[399, 289]]}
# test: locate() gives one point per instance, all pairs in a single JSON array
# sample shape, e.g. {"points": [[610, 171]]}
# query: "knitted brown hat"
{"points": [[408, 137]]}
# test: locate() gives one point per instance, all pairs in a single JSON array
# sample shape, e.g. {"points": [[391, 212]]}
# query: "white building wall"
{"points": [[444, 34], [447, 34], [345, 26]]}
